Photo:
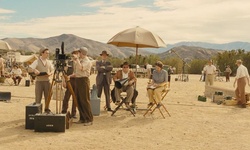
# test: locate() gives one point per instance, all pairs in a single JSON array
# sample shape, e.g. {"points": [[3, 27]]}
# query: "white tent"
{"points": [[4, 45], [27, 58]]}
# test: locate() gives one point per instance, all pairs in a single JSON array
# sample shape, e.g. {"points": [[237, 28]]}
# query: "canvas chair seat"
{"points": [[160, 105]]}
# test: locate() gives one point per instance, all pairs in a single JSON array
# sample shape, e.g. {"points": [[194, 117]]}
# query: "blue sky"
{"points": [[215, 21]]}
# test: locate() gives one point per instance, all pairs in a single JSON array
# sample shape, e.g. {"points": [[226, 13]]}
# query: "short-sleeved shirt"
{"points": [[210, 69], [160, 77], [242, 72]]}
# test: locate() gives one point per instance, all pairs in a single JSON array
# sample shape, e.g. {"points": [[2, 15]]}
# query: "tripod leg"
{"points": [[70, 88], [57, 98], [50, 95]]}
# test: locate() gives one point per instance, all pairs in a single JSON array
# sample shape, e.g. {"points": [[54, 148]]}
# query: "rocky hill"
{"points": [[71, 42], [224, 46], [95, 47], [189, 52]]}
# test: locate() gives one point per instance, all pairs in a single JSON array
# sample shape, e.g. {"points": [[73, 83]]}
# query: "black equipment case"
{"points": [[50, 122], [5, 96], [27, 82], [31, 110]]}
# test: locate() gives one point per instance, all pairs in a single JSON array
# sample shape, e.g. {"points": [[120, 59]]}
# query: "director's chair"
{"points": [[158, 106], [123, 98]]}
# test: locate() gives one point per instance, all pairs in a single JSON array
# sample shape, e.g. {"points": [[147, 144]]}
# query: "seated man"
{"points": [[127, 87], [16, 74], [158, 83]]}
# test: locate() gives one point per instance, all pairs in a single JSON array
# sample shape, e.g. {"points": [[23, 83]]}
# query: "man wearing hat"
{"points": [[81, 73], [128, 86], [69, 72], [103, 78], [43, 69], [242, 78]]}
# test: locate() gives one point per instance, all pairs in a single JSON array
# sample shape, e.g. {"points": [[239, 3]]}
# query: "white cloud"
{"points": [[216, 21], [6, 11], [102, 3]]}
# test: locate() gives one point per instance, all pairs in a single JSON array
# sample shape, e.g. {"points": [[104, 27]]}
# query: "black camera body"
{"points": [[60, 58]]}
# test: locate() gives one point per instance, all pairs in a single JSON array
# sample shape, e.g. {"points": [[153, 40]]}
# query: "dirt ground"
{"points": [[193, 125]]}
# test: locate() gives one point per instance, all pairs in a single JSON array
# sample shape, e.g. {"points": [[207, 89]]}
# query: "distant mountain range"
{"points": [[225, 46], [188, 53], [70, 42], [186, 50]]}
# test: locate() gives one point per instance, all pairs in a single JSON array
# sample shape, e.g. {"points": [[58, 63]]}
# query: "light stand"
{"points": [[184, 77]]}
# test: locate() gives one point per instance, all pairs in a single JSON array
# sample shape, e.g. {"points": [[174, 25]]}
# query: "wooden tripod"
{"points": [[56, 79]]}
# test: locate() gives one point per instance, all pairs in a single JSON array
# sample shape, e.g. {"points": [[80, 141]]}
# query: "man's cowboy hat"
{"points": [[104, 53]]}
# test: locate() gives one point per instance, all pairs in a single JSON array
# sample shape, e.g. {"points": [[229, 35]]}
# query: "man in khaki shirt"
{"points": [[81, 74]]}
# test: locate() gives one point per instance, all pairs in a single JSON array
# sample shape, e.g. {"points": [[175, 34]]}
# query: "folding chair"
{"points": [[123, 98], [156, 106], [6, 80]]}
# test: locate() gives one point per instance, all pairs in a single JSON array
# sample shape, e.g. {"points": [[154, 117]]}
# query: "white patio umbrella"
{"points": [[137, 37]]}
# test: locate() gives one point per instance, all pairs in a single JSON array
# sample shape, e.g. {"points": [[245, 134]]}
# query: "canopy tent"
{"points": [[28, 58], [4, 45]]}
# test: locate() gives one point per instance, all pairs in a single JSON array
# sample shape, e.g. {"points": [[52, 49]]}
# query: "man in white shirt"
{"points": [[209, 70], [242, 77], [43, 69]]}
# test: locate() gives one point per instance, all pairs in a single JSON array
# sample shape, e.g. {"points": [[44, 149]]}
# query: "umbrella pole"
{"points": [[136, 61]]}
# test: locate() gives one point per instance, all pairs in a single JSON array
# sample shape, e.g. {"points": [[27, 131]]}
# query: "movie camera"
{"points": [[60, 58]]}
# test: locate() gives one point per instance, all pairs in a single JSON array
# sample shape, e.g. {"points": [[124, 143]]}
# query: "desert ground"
{"points": [[193, 125]]}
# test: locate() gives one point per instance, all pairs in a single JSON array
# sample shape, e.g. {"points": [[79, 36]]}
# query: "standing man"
{"points": [[103, 78], [170, 71], [69, 72], [81, 73], [43, 69], [242, 77], [209, 70], [228, 71]]}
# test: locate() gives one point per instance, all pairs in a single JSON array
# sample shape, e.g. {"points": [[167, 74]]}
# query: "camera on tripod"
{"points": [[60, 58]]}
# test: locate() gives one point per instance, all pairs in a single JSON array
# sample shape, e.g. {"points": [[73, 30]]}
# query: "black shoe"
{"points": [[243, 106], [109, 109], [64, 112]]}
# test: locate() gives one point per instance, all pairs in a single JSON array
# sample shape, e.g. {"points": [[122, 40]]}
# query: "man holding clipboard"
{"points": [[43, 69]]}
